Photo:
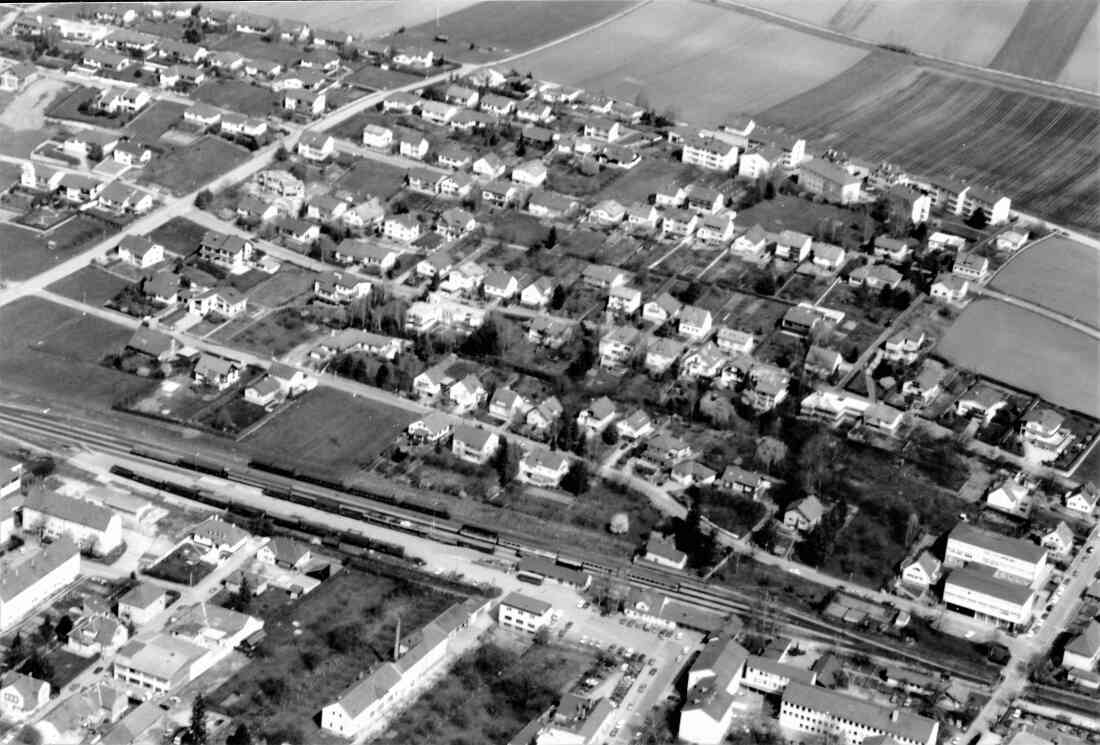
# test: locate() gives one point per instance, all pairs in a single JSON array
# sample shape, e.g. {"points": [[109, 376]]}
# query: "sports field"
{"points": [[1057, 273], [1039, 151], [1026, 351], [704, 62], [329, 431]]}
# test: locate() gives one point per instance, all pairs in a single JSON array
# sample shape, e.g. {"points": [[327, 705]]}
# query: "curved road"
{"points": [[1053, 315]]}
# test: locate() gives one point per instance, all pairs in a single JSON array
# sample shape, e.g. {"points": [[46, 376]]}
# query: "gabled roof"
{"points": [[86, 514], [1087, 643], [142, 595]]}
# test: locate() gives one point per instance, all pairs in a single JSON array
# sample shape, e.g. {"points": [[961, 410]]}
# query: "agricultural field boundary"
{"points": [[976, 73]]}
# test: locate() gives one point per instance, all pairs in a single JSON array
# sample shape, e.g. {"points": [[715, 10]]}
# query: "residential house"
{"points": [[1083, 499], [1082, 652], [666, 451], [607, 212], [799, 321], [118, 197], [462, 96], [624, 300], [1012, 240], [695, 323], [339, 288], [534, 111], [603, 129], [531, 173], [981, 401], [490, 166], [226, 250], [892, 249], [904, 346], [285, 552], [828, 256], [940, 241], [497, 105], [551, 205], [22, 695], [1014, 497], [679, 222], [618, 346], [402, 228], [434, 427], [551, 333], [325, 208], [455, 223], [1044, 436], [542, 417], [928, 384], [752, 242], [716, 229], [950, 288], [454, 157], [971, 266], [131, 153], [280, 184], [80, 189], [16, 76], [238, 124], [456, 185], [604, 276], [642, 216], [662, 551], [793, 246], [467, 394], [994, 206], [709, 153], [545, 468], [412, 144], [316, 146], [635, 426], [302, 232], [500, 285], [924, 571], [139, 251], [597, 416], [226, 302], [378, 137], [909, 203], [437, 112], [735, 341], [662, 354], [400, 102], [305, 102], [830, 181], [704, 362], [661, 309], [500, 193], [216, 372], [704, 199], [1059, 540], [538, 294], [692, 473], [821, 362], [506, 405], [759, 162], [163, 287], [473, 444]]}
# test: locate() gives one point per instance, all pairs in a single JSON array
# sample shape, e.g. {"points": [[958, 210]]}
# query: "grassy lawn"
{"points": [[253, 46], [179, 236], [276, 333], [316, 648], [66, 666], [368, 178], [285, 285], [89, 284], [488, 695], [182, 170], [155, 121], [53, 351], [375, 78], [25, 253], [237, 95], [640, 182], [355, 431], [67, 106]]}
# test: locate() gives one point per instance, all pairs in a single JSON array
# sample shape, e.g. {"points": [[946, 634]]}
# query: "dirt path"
{"points": [[27, 110]]}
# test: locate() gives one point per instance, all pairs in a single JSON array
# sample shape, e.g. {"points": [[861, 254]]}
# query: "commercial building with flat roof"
{"points": [[970, 545], [851, 720], [980, 591]]}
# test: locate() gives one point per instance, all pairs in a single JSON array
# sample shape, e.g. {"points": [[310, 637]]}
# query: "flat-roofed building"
{"points": [[28, 579], [979, 591], [1012, 556], [523, 613], [158, 665]]}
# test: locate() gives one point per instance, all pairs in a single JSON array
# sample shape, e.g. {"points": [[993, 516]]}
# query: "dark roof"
{"points": [[526, 603]]}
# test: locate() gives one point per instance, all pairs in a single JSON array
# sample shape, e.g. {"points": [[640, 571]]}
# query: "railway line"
{"points": [[389, 511]]}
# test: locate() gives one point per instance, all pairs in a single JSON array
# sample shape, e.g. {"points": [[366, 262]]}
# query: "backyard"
{"points": [[179, 236], [237, 95], [90, 284], [318, 646], [488, 695], [183, 169]]}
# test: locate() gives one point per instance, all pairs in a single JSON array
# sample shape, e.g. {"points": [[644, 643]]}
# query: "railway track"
{"points": [[720, 600]]}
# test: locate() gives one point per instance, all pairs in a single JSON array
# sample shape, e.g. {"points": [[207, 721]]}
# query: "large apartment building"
{"points": [[1010, 556]]}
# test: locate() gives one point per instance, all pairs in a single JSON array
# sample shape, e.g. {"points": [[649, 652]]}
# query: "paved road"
{"points": [[1023, 649], [1053, 315]]}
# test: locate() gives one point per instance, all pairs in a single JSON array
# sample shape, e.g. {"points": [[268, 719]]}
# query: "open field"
{"points": [[1026, 351], [89, 284], [488, 695], [185, 169], [1037, 150], [369, 178], [505, 27], [352, 15], [149, 125], [237, 95], [355, 431], [23, 116], [1045, 37], [1057, 273], [54, 352], [965, 30], [1081, 69], [24, 253], [317, 646], [705, 63], [179, 236]]}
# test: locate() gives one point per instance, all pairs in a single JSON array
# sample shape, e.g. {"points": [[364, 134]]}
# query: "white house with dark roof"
{"points": [[218, 535], [93, 527], [473, 444], [1083, 651], [695, 323], [805, 514], [662, 551], [597, 416], [635, 426], [545, 468], [971, 266], [139, 251], [142, 603], [924, 571], [1059, 539], [506, 405], [1044, 436], [1082, 499], [22, 695]]}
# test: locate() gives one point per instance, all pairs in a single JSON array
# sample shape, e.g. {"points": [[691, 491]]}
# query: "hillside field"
{"points": [[1039, 151], [1026, 351], [704, 62], [1044, 39], [1057, 273]]}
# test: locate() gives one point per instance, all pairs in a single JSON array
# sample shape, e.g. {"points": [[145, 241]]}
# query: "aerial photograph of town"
{"points": [[550, 372]]}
